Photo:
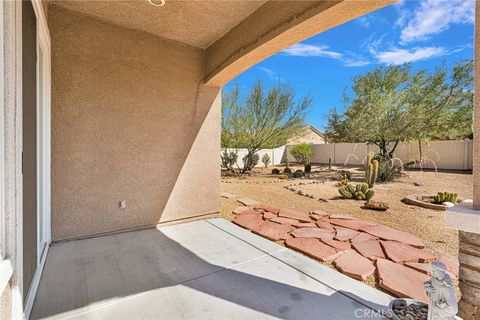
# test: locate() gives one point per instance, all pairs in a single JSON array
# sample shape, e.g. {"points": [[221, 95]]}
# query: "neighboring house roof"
{"points": [[314, 129], [305, 136]]}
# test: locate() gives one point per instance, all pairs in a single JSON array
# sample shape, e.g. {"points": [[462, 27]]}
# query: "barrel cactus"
{"points": [[442, 197], [357, 192]]}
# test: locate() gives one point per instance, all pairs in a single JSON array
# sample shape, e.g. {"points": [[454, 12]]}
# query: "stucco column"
{"points": [[476, 114], [469, 242]]}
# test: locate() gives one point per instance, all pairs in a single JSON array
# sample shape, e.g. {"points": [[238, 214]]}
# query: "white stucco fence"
{"points": [[446, 155]]}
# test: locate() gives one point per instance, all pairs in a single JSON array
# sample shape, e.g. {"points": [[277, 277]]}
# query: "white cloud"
{"points": [[433, 17], [308, 50], [356, 63], [272, 75], [399, 56], [363, 22], [268, 71]]}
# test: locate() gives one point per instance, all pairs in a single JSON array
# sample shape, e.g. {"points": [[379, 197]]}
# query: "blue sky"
{"points": [[426, 33]]}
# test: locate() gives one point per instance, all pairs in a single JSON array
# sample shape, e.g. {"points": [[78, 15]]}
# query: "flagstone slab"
{"points": [[273, 231], [239, 210], [312, 248], [267, 208], [425, 268], [268, 215], [401, 281], [227, 195], [354, 265], [344, 234], [387, 233], [341, 216], [400, 252], [248, 211], [355, 224], [315, 217], [284, 220], [305, 225], [339, 245], [294, 214], [249, 220], [363, 237], [248, 201], [324, 225], [320, 213], [370, 249], [312, 233]]}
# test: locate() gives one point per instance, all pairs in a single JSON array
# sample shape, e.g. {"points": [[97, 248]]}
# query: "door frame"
{"points": [[43, 148]]}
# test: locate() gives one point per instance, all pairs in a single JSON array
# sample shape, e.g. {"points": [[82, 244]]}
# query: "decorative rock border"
{"points": [[253, 182], [419, 200], [300, 192], [355, 247], [275, 181]]}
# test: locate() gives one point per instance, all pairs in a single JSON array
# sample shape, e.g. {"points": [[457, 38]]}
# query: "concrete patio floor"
{"points": [[198, 270]]}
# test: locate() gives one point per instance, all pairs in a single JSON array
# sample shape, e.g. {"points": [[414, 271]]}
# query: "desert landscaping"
{"points": [[319, 193]]}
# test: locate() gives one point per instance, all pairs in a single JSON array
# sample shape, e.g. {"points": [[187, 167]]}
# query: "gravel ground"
{"points": [[426, 224]]}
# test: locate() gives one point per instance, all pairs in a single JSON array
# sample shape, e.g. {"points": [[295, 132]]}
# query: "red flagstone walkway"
{"points": [[357, 248]]}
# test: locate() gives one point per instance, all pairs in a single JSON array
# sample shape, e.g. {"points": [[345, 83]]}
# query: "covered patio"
{"points": [[209, 269], [115, 108]]}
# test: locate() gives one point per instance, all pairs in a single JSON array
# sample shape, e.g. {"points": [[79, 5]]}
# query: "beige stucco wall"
{"points": [[130, 120], [476, 138]]}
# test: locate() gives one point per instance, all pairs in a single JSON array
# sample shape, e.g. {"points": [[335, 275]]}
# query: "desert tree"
{"points": [[393, 103], [266, 118]]}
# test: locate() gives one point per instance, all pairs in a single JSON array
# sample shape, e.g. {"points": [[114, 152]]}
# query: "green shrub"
{"points": [[388, 172], [250, 161], [229, 159], [266, 160], [302, 153]]}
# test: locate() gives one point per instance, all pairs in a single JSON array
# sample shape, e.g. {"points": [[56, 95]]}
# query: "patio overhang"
{"points": [[274, 26], [235, 35]]}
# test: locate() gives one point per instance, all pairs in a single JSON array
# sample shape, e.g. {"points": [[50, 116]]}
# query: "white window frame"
{"points": [[43, 141], [2, 144]]}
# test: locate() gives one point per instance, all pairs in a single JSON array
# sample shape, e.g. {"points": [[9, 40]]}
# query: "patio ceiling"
{"points": [[196, 23], [235, 34]]}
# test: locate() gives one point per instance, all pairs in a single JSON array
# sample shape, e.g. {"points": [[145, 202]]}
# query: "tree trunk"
{"points": [[420, 157]]}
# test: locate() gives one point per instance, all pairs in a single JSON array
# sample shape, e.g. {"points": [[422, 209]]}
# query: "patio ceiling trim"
{"points": [[277, 25]]}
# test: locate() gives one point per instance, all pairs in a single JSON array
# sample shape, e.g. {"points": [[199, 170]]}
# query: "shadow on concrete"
{"points": [[133, 275]]}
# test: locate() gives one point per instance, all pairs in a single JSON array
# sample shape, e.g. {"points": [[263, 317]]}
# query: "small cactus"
{"points": [[371, 170], [442, 197], [345, 193], [357, 192], [364, 187], [369, 194], [351, 188]]}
